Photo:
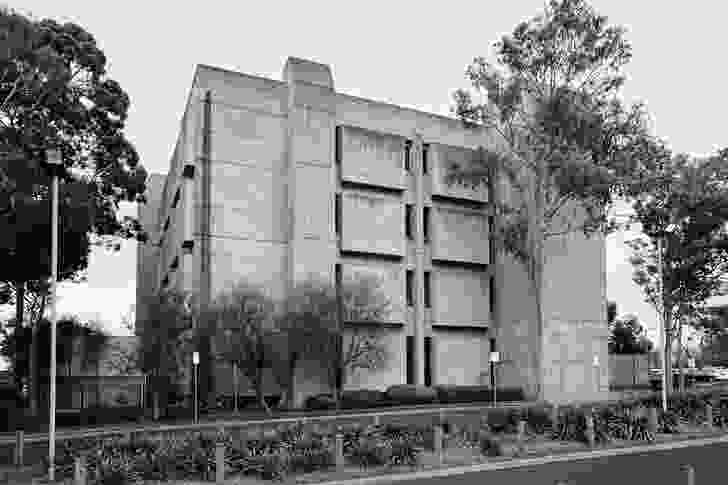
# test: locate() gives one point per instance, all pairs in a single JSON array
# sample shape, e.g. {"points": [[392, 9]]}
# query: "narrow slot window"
{"points": [[426, 223], [491, 294], [428, 290], [408, 229], [410, 281], [337, 145], [337, 213], [410, 359], [425, 158], [428, 361]]}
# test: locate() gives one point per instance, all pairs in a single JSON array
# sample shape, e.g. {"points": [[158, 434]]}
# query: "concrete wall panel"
{"points": [[247, 202], [246, 137], [459, 234], [371, 157], [461, 357], [460, 297], [257, 262], [372, 223]]}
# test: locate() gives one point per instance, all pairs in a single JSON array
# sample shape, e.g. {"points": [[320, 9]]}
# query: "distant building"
{"points": [[274, 180]]}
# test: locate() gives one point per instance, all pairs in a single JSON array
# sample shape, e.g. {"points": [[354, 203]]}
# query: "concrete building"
{"points": [[274, 180]]}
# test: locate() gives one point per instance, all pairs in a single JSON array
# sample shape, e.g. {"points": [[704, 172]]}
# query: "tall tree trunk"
{"points": [[538, 347], [680, 362], [536, 244], [667, 351]]}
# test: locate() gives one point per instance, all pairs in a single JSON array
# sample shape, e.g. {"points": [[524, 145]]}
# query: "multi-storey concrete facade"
{"points": [[272, 181]]}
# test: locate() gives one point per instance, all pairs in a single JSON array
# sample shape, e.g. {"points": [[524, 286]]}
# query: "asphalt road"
{"points": [[658, 468]]}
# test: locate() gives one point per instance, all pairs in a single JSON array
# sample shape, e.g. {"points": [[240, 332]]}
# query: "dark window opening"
{"points": [[408, 229], [407, 155], [425, 151], [337, 213], [166, 225], [410, 287], [337, 145], [491, 294], [428, 290], [337, 275], [426, 223], [175, 263], [410, 359], [428, 361]]}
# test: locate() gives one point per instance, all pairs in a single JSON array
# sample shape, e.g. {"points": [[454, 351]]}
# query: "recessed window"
{"points": [[410, 281], [425, 161], [491, 294], [408, 222], [407, 156], [428, 290], [337, 213], [426, 223], [428, 361], [337, 145]]}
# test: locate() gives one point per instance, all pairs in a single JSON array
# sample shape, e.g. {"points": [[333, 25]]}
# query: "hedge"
{"points": [[464, 394]]}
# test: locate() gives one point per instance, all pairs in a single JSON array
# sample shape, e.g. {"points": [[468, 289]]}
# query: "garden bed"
{"points": [[304, 454]]}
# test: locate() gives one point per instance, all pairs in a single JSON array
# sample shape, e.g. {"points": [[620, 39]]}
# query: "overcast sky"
{"points": [[411, 53]]}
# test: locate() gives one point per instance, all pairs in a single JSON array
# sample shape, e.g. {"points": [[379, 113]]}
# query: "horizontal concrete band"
{"points": [[525, 462]]}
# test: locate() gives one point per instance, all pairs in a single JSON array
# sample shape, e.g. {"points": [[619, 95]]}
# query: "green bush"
{"points": [[320, 402], [489, 444], [538, 418], [571, 425], [310, 454], [363, 398], [448, 394], [503, 420], [668, 422], [408, 394]]}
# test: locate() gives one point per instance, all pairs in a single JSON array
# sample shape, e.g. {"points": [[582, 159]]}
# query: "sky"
{"points": [[410, 53]]}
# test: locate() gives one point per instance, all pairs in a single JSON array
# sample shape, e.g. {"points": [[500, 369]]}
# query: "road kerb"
{"points": [[525, 462]]}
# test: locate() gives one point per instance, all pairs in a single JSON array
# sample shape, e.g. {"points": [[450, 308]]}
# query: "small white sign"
{"points": [[196, 358], [495, 357], [691, 363], [595, 362]]}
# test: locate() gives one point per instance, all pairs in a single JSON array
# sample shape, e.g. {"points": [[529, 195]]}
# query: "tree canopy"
{"points": [[55, 92], [560, 143], [686, 207]]}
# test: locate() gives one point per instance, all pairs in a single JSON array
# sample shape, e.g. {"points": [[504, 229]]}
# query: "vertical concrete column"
{"points": [[308, 171], [310, 139], [419, 323]]}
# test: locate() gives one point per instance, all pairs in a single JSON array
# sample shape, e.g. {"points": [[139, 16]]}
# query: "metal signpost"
{"points": [[196, 365], [494, 359]]}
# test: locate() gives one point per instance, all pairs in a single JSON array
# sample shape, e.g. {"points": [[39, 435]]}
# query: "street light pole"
{"points": [[196, 364], [663, 340], [53, 159]]}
